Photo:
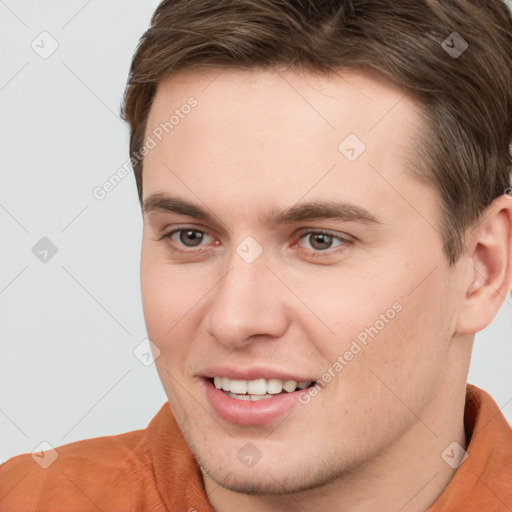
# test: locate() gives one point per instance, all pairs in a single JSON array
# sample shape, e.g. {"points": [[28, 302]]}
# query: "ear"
{"points": [[489, 256]]}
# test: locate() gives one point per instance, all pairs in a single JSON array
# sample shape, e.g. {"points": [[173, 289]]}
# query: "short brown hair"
{"points": [[467, 98]]}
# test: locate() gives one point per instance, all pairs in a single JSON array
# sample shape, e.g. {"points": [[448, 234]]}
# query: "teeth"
{"points": [[252, 398], [290, 385], [255, 387], [274, 386], [247, 389], [238, 386]]}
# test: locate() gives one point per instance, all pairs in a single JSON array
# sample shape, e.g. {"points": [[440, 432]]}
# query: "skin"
{"points": [[373, 436]]}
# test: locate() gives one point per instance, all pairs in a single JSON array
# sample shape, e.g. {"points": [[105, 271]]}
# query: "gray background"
{"points": [[69, 325]]}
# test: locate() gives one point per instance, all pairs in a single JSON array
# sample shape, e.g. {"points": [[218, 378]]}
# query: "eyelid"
{"points": [[319, 231], [309, 231]]}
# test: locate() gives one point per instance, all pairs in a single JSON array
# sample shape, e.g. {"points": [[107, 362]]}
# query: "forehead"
{"points": [[267, 131], [334, 102]]}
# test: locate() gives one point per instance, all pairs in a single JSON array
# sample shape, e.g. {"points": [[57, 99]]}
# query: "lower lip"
{"points": [[246, 412]]}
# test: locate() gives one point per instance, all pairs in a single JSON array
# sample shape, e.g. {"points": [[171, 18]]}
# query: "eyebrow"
{"points": [[312, 210]]}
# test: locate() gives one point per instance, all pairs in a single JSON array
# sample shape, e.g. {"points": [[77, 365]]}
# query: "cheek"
{"points": [[153, 300], [407, 359], [171, 299], [162, 312], [161, 288], [161, 298], [382, 329], [349, 306]]}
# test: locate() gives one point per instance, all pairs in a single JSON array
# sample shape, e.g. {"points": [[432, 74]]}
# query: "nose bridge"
{"points": [[245, 303]]}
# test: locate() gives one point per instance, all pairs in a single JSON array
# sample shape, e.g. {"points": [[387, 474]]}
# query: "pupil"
{"points": [[324, 239], [191, 236]]}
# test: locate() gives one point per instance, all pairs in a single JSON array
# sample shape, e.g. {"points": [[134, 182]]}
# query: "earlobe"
{"points": [[490, 247]]}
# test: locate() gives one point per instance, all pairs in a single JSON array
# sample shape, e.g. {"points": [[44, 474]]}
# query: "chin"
{"points": [[263, 484], [271, 479]]}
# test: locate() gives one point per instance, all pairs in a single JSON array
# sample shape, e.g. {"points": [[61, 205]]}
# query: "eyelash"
{"points": [[312, 252]]}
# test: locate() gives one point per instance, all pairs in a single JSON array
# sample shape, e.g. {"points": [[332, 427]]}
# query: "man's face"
{"points": [[363, 303]]}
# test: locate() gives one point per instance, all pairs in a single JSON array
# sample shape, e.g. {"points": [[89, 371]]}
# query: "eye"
{"points": [[316, 243], [322, 241], [187, 237]]}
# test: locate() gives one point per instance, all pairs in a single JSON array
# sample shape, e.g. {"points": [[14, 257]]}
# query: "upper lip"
{"points": [[252, 373]]}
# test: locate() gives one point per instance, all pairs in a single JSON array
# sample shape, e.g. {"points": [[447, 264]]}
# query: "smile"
{"points": [[258, 389], [252, 402]]}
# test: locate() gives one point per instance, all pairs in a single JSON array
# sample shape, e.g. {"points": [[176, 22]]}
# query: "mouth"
{"points": [[257, 389], [253, 396]]}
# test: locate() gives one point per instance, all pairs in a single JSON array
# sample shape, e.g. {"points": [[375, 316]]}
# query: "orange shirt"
{"points": [[154, 470]]}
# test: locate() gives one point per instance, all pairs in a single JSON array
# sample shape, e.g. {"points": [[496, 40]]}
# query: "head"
{"points": [[397, 137]]}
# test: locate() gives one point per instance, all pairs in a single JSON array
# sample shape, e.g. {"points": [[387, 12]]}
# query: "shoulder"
{"points": [[84, 475]]}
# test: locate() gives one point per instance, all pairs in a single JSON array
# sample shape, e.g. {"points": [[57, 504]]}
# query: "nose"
{"points": [[247, 304]]}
